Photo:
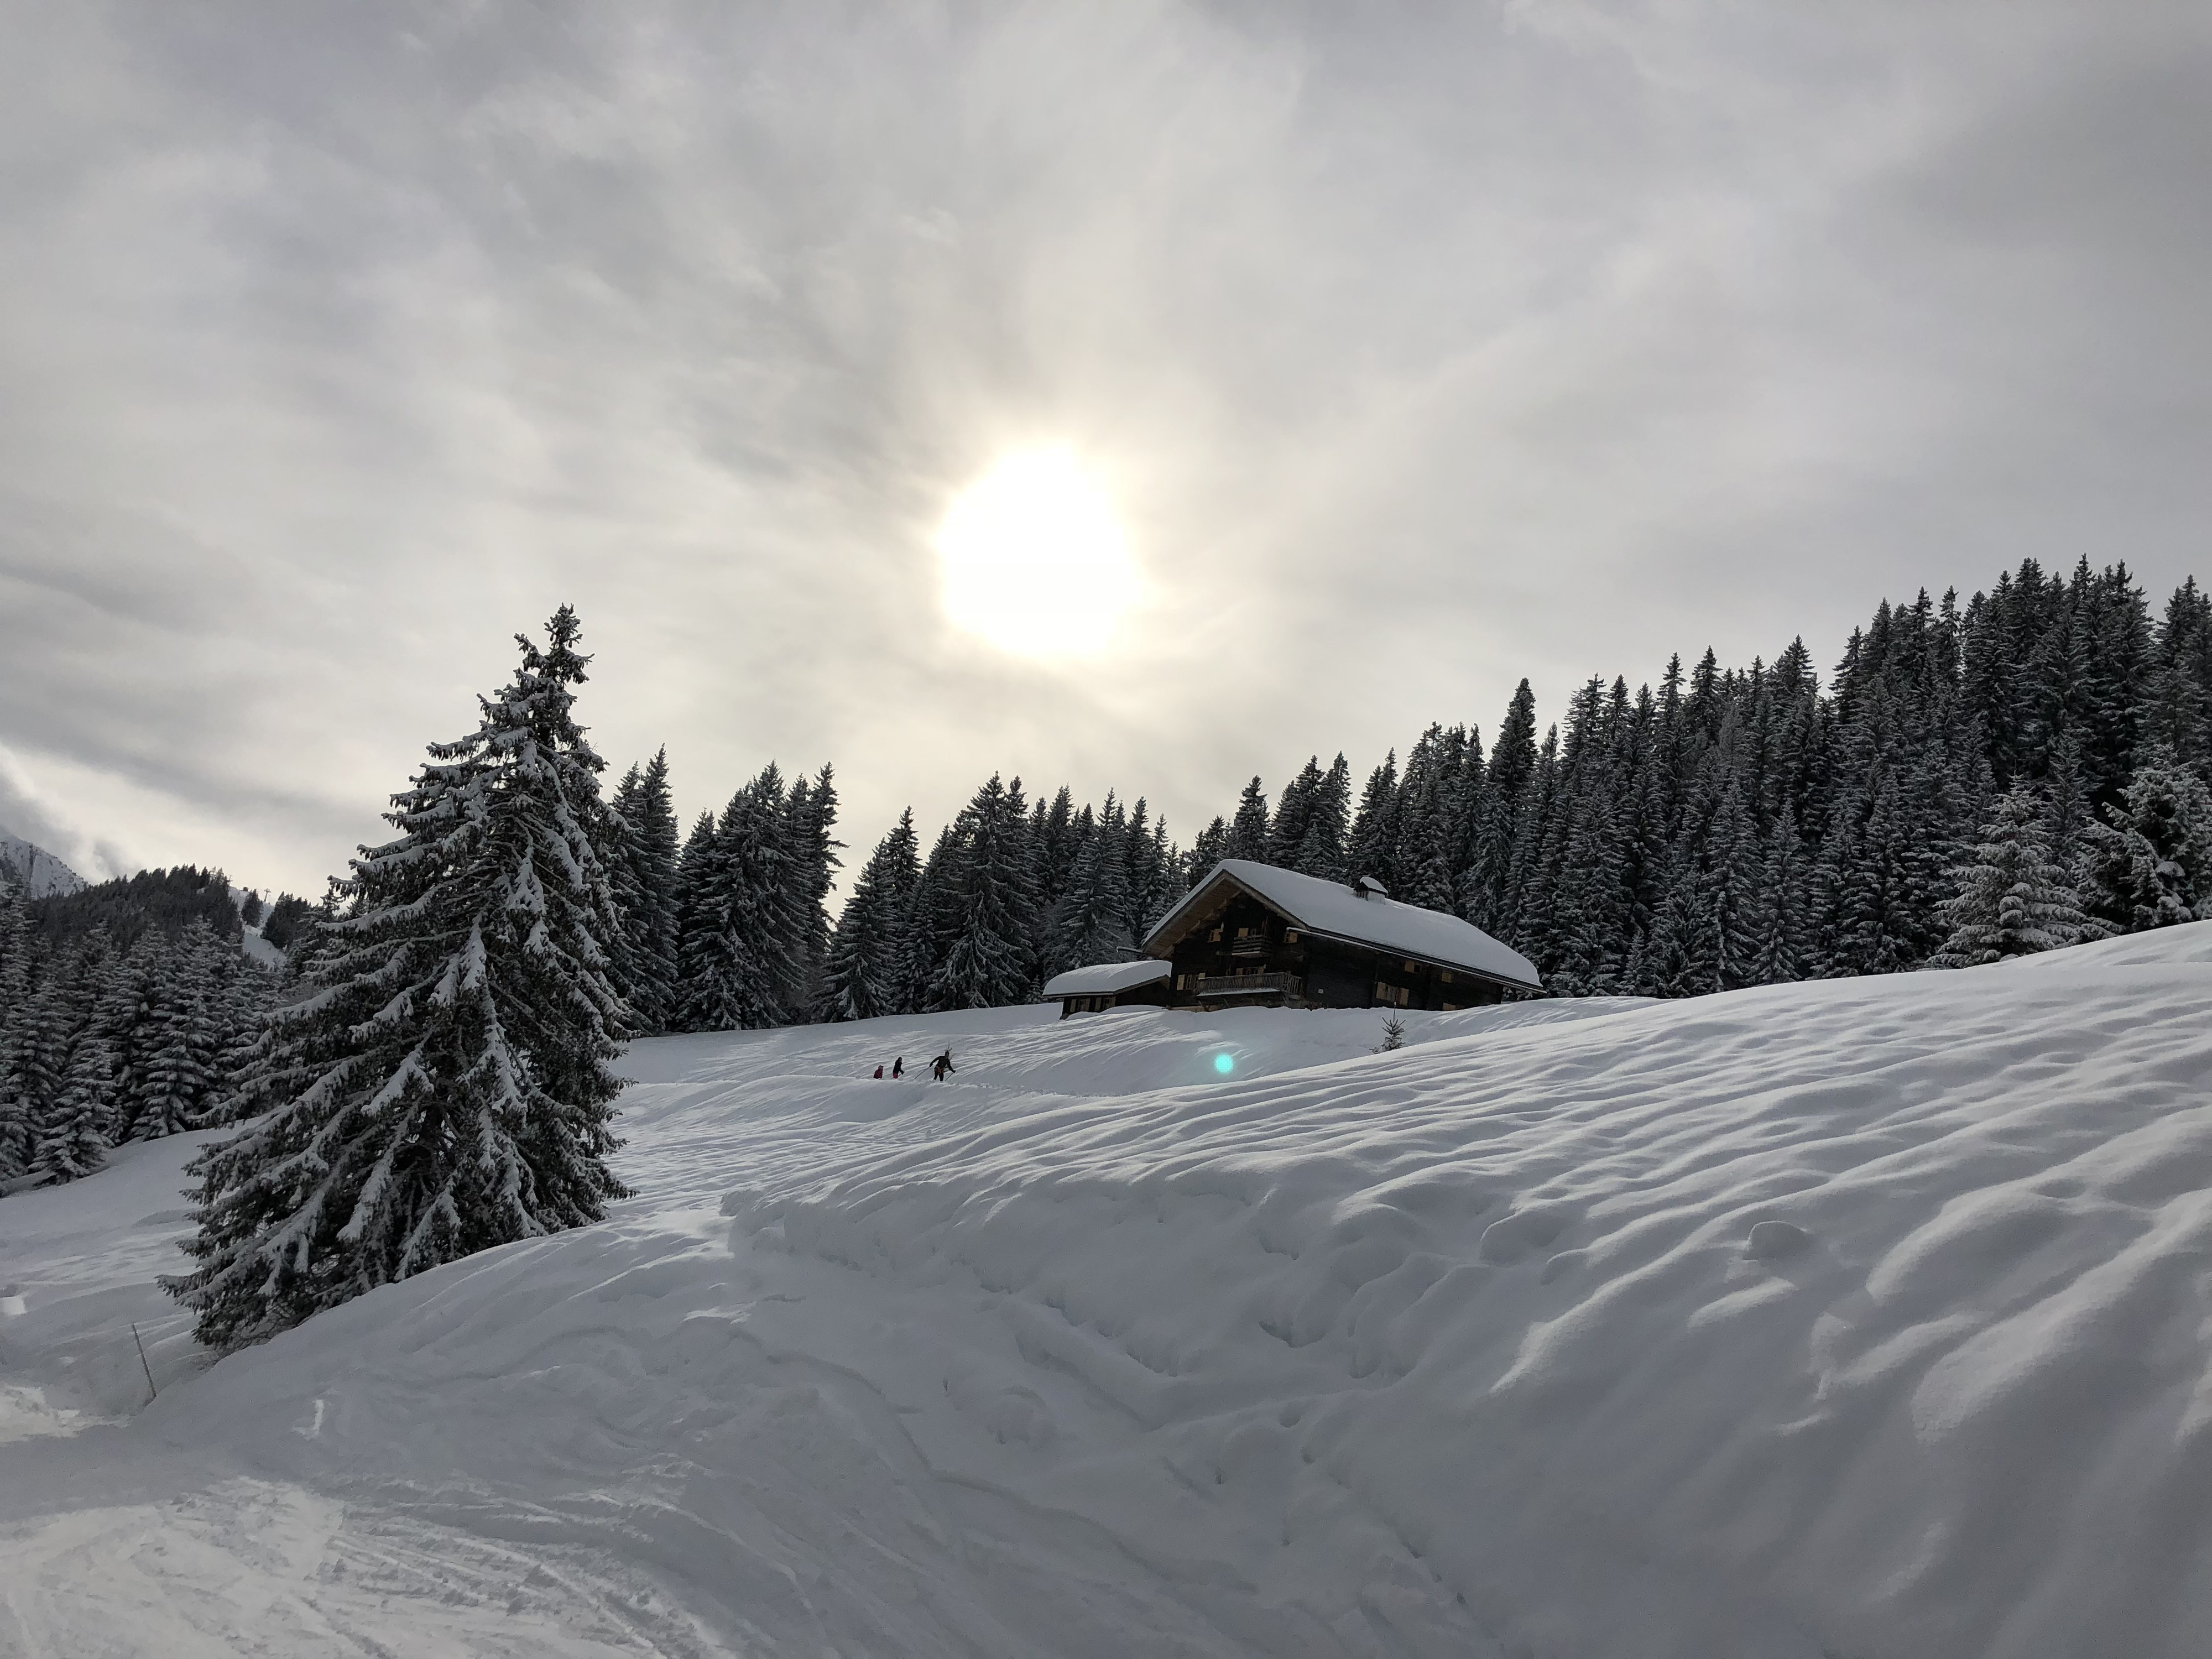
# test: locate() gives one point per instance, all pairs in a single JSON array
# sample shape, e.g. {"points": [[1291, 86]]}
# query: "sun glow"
{"points": [[1034, 559]]}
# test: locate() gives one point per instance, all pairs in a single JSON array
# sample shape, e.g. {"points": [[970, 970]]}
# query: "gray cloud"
{"points": [[1424, 347]]}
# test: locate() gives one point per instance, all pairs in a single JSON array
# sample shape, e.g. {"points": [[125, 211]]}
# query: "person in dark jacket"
{"points": [[942, 1067], [898, 1066]]}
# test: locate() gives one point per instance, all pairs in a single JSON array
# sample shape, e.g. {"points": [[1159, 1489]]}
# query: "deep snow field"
{"points": [[1868, 1319]]}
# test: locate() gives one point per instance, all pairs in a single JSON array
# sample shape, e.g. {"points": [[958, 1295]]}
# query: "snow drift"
{"points": [[1865, 1318]]}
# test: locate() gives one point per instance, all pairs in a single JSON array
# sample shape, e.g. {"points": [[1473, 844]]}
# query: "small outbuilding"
{"points": [[1252, 935], [1110, 985]]}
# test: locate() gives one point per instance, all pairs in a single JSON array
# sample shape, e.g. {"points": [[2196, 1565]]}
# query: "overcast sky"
{"points": [[1420, 348]]}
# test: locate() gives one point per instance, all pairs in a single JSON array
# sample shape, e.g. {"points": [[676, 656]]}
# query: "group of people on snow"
{"points": [[939, 1069]]}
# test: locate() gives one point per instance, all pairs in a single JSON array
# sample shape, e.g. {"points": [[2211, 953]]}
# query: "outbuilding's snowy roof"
{"points": [[1105, 978], [1332, 909]]}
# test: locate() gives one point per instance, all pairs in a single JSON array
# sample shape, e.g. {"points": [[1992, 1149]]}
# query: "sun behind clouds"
{"points": [[1035, 557]]}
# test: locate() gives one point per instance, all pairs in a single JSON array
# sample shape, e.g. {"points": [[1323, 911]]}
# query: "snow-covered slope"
{"points": [[40, 872], [258, 951], [1868, 1318]]}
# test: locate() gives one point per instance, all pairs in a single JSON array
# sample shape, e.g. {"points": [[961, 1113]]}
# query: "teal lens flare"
{"points": [[1224, 1064]]}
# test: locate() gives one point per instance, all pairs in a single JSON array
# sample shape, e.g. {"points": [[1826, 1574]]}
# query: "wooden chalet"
{"points": [[1251, 934], [1109, 985]]}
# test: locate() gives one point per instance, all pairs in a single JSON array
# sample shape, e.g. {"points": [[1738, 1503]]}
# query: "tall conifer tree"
{"points": [[987, 961], [810, 850], [1208, 850], [2013, 897], [72, 1133], [1248, 830], [1094, 918], [740, 969], [697, 919], [181, 1043], [867, 964], [1157, 879], [1781, 947], [933, 920], [1321, 851], [648, 885], [1374, 846], [2151, 866], [2181, 692], [446, 1085], [1286, 834]]}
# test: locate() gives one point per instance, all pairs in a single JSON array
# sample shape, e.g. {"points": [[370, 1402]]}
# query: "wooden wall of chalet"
{"points": [[1242, 937], [1156, 994], [1245, 937]]}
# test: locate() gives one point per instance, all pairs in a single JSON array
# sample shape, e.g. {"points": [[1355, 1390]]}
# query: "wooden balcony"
{"points": [[1216, 987]]}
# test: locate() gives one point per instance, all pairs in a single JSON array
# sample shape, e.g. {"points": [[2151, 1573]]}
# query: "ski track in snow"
{"points": [[1866, 1318], [250, 1566]]}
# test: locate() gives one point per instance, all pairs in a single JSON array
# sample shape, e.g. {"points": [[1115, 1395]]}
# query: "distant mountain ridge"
{"points": [[41, 873]]}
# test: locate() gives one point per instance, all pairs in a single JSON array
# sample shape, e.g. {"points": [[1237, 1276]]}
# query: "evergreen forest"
{"points": [[1722, 828], [125, 1009]]}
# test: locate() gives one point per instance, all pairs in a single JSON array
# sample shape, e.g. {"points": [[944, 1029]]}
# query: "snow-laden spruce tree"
{"points": [[130, 1011], [735, 950], [1093, 922], [810, 850], [445, 1087], [185, 1038], [1786, 874], [932, 921], [2151, 867], [993, 899], [867, 967], [72, 1126], [2014, 897], [245, 992], [1248, 830], [646, 883], [1374, 830], [1155, 870], [696, 918]]}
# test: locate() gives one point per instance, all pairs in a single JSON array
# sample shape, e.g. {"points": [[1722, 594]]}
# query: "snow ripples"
{"points": [[1865, 1317]]}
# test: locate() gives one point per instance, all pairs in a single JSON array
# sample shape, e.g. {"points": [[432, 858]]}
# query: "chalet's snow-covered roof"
{"points": [[1105, 978], [1332, 910]]}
